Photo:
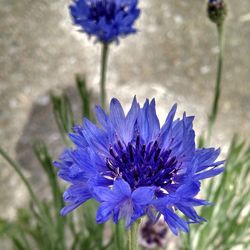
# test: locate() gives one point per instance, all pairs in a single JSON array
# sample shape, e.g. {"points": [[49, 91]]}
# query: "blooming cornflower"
{"points": [[107, 20], [133, 167]]}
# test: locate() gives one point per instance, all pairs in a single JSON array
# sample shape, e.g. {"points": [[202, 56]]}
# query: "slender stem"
{"points": [[217, 91], [133, 236], [23, 178], [119, 235], [189, 239], [104, 60]]}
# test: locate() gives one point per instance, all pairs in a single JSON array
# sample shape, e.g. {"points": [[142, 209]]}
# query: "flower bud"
{"points": [[217, 11], [153, 235]]}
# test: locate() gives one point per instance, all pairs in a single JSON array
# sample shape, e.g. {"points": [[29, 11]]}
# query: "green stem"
{"points": [[217, 91], [23, 178], [133, 234], [119, 235], [104, 60]]}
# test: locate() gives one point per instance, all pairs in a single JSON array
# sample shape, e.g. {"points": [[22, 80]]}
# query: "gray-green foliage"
{"points": [[40, 225], [228, 219]]}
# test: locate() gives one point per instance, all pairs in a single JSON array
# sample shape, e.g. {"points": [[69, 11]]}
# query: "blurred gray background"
{"points": [[173, 58]]}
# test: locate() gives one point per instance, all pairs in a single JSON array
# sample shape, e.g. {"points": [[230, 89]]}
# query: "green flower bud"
{"points": [[217, 11]]}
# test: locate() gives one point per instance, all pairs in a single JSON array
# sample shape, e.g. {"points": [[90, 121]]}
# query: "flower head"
{"points": [[107, 20], [153, 235], [134, 167], [217, 11]]}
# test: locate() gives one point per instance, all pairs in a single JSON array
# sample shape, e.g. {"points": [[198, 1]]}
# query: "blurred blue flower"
{"points": [[107, 20], [134, 167], [215, 1]]}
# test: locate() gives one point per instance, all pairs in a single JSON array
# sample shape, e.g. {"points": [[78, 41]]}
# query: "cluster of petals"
{"points": [[134, 167], [107, 20]]}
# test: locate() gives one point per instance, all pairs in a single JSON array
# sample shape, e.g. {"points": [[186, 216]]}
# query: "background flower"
{"points": [[133, 167], [107, 20]]}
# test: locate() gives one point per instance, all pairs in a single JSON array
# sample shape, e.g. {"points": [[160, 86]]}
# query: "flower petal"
{"points": [[103, 194], [207, 174], [174, 222], [190, 213], [76, 195], [117, 116], [101, 116], [189, 189], [130, 121], [143, 195], [121, 188], [104, 212]]}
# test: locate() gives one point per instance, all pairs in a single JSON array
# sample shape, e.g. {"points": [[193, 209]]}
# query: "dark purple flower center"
{"points": [[216, 4], [105, 8], [142, 164]]}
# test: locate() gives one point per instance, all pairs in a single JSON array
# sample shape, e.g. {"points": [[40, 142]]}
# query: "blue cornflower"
{"points": [[133, 167], [107, 20]]}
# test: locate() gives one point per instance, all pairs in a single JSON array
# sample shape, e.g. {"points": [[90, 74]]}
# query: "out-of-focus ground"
{"points": [[173, 58]]}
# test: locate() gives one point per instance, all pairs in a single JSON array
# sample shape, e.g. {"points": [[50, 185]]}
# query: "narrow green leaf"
{"points": [[85, 96]]}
